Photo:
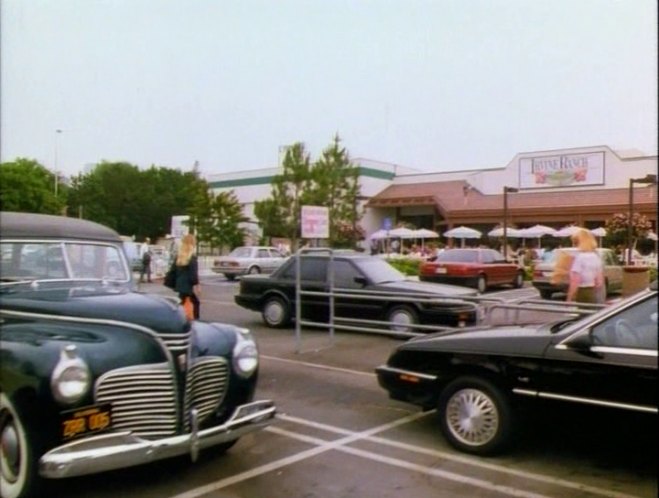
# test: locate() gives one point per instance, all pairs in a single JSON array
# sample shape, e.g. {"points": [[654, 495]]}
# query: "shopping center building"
{"points": [[583, 186]]}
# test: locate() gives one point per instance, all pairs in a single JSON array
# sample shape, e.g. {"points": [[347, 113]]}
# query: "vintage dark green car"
{"points": [[96, 376]]}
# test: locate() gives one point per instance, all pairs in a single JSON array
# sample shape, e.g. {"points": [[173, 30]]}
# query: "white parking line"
{"points": [[263, 469], [318, 366], [457, 458]]}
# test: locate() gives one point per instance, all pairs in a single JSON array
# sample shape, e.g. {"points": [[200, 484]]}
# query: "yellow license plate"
{"points": [[87, 420]]}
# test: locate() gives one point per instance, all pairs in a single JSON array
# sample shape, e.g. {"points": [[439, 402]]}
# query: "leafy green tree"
{"points": [[133, 201], [280, 216], [617, 227], [335, 185], [27, 186]]}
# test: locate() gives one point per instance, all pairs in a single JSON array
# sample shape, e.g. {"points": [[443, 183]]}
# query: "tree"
{"points": [[336, 186], [280, 215], [617, 227], [27, 186], [132, 201]]}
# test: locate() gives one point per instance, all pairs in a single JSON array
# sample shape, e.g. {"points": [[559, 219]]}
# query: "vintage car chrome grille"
{"points": [[207, 382], [176, 343], [143, 399]]}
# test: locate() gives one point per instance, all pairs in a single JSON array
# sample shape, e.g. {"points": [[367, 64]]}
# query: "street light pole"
{"points": [[57, 134], [506, 191], [647, 180]]}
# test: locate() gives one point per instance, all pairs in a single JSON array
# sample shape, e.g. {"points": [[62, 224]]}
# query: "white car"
{"points": [[249, 260]]}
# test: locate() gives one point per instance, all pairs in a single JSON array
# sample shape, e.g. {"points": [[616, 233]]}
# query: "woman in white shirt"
{"points": [[587, 271]]}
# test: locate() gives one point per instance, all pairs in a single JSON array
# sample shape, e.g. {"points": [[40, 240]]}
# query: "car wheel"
{"points": [[253, 270], [276, 312], [519, 280], [481, 284], [18, 466], [230, 277], [475, 416], [402, 318]]}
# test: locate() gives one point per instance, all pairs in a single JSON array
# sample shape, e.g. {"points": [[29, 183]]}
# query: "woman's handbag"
{"points": [[188, 307], [170, 277]]}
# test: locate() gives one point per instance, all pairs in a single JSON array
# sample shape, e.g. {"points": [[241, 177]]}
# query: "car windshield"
{"points": [[241, 252], [43, 260], [379, 271], [458, 257]]}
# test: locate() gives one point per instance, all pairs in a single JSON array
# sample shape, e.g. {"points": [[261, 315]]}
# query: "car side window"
{"points": [[313, 269], [263, 253], [487, 256], [344, 275], [635, 327]]}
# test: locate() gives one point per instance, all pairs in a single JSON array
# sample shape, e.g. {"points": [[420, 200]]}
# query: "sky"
{"points": [[435, 85]]}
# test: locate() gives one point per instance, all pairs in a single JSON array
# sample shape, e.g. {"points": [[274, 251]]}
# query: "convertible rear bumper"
{"points": [[124, 449]]}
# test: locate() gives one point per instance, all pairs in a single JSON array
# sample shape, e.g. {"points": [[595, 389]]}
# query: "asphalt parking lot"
{"points": [[338, 435]]}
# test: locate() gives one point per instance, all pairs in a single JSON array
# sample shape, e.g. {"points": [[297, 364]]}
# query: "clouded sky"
{"points": [[436, 85]]}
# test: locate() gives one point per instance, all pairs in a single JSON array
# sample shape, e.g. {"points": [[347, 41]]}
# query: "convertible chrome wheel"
{"points": [[475, 415], [472, 417], [16, 469]]}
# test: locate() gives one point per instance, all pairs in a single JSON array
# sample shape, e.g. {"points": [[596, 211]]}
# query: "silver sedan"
{"points": [[248, 260]]}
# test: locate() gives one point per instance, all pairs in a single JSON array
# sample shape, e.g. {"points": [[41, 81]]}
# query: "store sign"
{"points": [[179, 226], [563, 170], [315, 222]]}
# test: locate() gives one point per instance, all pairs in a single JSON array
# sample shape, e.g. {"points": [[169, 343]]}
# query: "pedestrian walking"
{"points": [[187, 273], [145, 253], [586, 272]]}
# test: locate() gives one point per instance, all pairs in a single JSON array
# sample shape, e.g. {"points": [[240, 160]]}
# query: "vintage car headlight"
{"points": [[71, 378], [245, 354]]}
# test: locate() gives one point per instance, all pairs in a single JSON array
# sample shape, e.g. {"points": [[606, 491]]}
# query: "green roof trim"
{"points": [[267, 180], [243, 182]]}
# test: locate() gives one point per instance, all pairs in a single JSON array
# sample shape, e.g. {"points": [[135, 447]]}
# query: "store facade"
{"points": [[583, 186]]}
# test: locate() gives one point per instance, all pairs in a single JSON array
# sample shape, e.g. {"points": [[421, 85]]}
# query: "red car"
{"points": [[479, 268]]}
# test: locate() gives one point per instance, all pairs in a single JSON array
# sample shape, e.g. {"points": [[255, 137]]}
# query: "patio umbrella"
{"points": [[567, 231], [599, 232], [537, 232], [379, 235], [510, 232], [402, 233], [424, 233], [463, 233]]}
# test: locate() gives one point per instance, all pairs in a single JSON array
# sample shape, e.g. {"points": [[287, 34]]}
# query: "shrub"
{"points": [[407, 266]]}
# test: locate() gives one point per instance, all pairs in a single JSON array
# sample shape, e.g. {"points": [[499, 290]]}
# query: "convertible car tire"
{"points": [[19, 477], [276, 312], [475, 416]]}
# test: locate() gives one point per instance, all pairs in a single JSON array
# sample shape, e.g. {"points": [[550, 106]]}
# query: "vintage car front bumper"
{"points": [[123, 449]]}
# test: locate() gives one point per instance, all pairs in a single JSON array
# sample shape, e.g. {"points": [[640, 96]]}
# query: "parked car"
{"points": [[477, 377], [548, 283], [246, 260], [479, 268], [274, 295], [96, 377]]}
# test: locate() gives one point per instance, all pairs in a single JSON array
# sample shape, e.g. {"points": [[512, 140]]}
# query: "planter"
{"points": [[635, 279]]}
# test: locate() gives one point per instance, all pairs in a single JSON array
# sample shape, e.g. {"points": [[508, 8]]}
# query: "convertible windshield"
{"points": [[28, 260]]}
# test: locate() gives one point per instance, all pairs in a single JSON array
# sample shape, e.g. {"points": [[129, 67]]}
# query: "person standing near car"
{"points": [[187, 273], [145, 253], [586, 272]]}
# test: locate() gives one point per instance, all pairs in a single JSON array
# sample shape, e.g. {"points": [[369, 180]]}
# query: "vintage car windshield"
{"points": [[45, 260]]}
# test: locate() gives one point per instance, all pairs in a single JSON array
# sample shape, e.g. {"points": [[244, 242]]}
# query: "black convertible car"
{"points": [[97, 377], [477, 377], [359, 275]]}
